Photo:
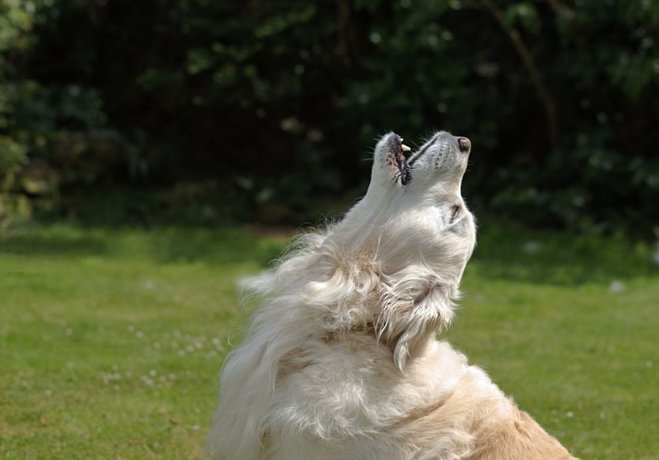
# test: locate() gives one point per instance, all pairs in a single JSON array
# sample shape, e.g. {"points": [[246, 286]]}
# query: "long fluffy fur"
{"points": [[341, 361]]}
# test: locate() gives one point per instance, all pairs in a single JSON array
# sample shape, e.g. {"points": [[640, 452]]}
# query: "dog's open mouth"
{"points": [[399, 151]]}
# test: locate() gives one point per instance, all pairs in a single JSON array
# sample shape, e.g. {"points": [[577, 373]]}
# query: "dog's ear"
{"points": [[411, 311]]}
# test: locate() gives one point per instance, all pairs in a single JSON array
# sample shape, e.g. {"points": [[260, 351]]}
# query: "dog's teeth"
{"points": [[405, 148]]}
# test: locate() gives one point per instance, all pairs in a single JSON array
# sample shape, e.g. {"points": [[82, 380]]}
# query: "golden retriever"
{"points": [[341, 360]]}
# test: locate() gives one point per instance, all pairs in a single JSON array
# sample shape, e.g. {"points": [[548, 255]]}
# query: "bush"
{"points": [[279, 102]]}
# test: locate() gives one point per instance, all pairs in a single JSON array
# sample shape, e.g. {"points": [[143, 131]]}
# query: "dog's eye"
{"points": [[405, 175], [455, 212]]}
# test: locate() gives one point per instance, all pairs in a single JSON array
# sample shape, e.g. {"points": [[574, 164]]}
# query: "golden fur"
{"points": [[341, 360]]}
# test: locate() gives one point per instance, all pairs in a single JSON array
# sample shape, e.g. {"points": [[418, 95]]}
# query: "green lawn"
{"points": [[111, 339]]}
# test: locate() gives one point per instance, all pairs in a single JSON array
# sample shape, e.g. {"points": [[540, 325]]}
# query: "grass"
{"points": [[111, 339]]}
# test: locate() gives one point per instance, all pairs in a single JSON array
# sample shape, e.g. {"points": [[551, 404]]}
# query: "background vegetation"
{"points": [[212, 111]]}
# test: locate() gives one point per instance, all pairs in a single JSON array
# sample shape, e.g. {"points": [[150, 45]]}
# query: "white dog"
{"points": [[341, 360]]}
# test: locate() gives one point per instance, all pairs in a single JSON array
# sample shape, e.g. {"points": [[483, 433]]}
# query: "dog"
{"points": [[341, 360]]}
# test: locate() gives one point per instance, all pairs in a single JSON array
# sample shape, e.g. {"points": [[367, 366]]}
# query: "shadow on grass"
{"points": [[560, 258], [221, 246], [162, 245], [503, 252], [53, 244]]}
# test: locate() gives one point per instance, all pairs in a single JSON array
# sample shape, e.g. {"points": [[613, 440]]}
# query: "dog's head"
{"points": [[414, 221], [413, 210], [438, 165]]}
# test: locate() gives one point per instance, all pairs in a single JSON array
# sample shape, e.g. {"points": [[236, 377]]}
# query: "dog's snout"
{"points": [[464, 144]]}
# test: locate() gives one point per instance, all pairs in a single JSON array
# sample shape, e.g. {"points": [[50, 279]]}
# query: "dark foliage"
{"points": [[263, 110]]}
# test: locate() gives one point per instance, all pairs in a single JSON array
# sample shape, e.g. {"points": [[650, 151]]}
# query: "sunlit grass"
{"points": [[111, 339]]}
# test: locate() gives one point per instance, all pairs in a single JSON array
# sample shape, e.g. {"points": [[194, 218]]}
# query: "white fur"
{"points": [[341, 360]]}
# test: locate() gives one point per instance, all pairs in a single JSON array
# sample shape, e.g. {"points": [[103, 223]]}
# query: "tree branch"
{"points": [[527, 59], [560, 9], [343, 21]]}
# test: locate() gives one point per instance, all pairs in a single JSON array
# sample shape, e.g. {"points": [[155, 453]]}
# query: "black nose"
{"points": [[464, 144]]}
